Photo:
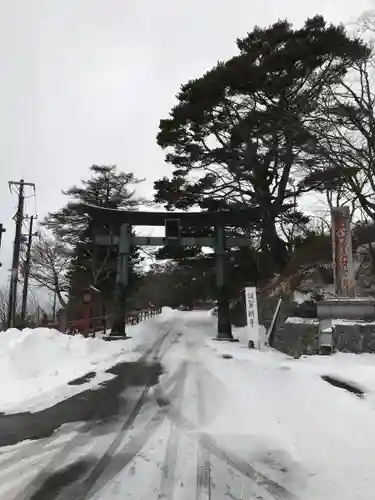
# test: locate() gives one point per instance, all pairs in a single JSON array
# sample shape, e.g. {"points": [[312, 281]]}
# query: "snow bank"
{"points": [[314, 321], [300, 297], [36, 365], [35, 362], [296, 320], [168, 311]]}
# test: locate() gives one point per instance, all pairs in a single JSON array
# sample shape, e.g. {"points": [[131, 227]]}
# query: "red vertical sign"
{"points": [[342, 252]]}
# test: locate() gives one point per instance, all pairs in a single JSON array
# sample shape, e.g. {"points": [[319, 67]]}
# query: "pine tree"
{"points": [[239, 135], [93, 264]]}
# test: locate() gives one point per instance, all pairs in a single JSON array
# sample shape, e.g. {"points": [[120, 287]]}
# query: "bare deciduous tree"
{"points": [[344, 136], [3, 307], [50, 262]]}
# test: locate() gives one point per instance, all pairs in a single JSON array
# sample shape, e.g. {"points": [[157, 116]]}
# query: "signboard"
{"points": [[252, 314], [343, 271]]}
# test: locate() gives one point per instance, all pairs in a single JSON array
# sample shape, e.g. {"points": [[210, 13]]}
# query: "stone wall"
{"points": [[354, 338], [296, 339], [348, 309], [300, 338]]}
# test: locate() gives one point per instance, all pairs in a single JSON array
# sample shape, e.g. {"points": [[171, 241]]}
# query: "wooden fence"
{"points": [[102, 323]]}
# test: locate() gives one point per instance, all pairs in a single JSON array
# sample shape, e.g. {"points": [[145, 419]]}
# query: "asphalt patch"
{"points": [[342, 384], [97, 405]]}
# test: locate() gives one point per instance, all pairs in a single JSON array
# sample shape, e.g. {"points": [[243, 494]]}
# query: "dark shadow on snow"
{"points": [[227, 356], [342, 384], [54, 484], [82, 380], [98, 405]]}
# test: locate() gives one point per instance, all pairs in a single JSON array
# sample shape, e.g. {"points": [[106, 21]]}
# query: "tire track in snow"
{"points": [[170, 409], [36, 448], [119, 459], [167, 485], [114, 460], [141, 438], [84, 437], [203, 491], [277, 491]]}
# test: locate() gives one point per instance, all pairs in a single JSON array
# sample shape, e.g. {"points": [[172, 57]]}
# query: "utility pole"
{"points": [[12, 307], [27, 270]]}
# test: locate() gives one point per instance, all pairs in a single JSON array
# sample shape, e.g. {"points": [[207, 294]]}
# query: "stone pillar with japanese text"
{"points": [[252, 315], [343, 269]]}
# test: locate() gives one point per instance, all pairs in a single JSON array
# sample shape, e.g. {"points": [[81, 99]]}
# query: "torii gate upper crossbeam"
{"points": [[240, 218]]}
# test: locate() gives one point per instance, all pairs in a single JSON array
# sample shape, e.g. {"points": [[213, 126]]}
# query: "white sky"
{"points": [[87, 81]]}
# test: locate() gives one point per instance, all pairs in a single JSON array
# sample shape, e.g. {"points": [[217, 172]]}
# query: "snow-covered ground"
{"points": [[223, 422], [324, 433]]}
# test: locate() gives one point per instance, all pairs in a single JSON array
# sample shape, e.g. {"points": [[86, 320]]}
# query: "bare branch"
{"points": [[50, 261]]}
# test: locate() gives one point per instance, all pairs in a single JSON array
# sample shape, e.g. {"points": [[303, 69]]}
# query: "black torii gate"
{"points": [[122, 221]]}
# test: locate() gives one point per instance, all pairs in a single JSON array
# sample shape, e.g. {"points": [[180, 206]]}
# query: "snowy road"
{"points": [[188, 418], [138, 441]]}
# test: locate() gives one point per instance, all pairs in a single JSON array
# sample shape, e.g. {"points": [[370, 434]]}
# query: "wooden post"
{"points": [[119, 324], [61, 319], [224, 325], [86, 316]]}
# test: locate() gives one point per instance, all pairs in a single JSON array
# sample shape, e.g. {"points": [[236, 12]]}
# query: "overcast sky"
{"points": [[87, 81]]}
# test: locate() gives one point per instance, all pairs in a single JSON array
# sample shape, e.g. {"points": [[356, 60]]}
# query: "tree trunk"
{"points": [[274, 244]]}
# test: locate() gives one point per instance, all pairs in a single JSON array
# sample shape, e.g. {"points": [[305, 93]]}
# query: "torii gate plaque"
{"points": [[124, 220]]}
